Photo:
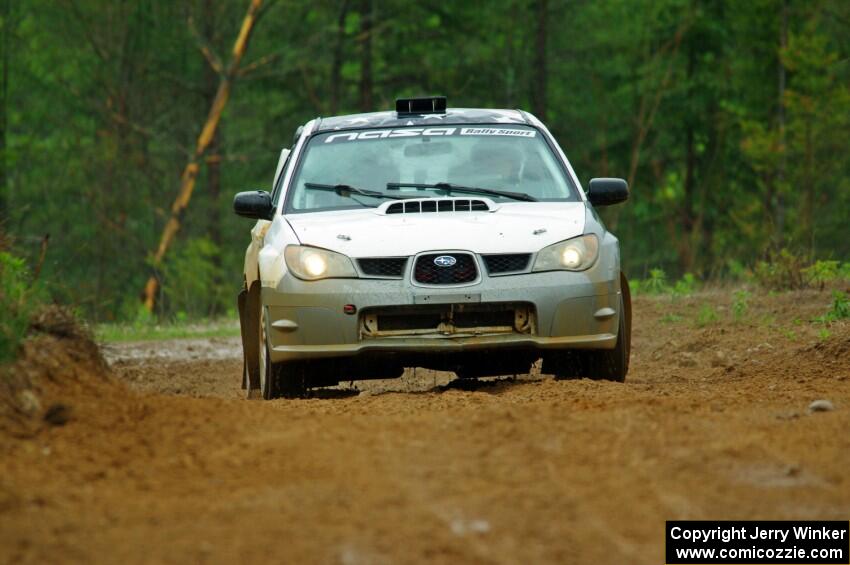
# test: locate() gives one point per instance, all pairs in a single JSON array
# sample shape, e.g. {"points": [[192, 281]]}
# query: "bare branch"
{"points": [[261, 62], [98, 50], [205, 48], [147, 132]]}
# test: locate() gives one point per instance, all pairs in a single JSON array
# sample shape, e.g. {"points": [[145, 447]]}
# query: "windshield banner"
{"points": [[423, 132]]}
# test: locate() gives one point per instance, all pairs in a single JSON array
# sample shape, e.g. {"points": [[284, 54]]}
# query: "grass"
{"points": [[175, 330], [707, 315], [788, 333], [670, 318], [740, 304], [840, 309]]}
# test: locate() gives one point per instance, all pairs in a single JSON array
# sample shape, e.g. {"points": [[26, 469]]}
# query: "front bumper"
{"points": [[577, 310]]}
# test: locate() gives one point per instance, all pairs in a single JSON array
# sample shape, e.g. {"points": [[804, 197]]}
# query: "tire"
{"points": [[612, 364], [268, 372], [566, 364], [291, 380]]}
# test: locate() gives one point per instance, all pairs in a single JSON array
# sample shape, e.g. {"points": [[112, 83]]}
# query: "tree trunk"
{"points": [[538, 86], [686, 215], [336, 65], [510, 60], [779, 205], [646, 114], [809, 203], [366, 56], [5, 13], [213, 160], [190, 172]]}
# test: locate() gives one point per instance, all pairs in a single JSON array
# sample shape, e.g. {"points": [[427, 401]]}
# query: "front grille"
{"points": [[390, 267], [463, 271], [511, 263]]}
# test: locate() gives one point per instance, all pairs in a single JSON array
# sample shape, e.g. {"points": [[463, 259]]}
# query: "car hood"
{"points": [[522, 227]]}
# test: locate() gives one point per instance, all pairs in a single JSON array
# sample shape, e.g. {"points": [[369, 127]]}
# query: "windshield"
{"points": [[401, 162]]}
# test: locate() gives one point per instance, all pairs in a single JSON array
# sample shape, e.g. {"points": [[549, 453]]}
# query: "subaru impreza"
{"points": [[452, 239]]}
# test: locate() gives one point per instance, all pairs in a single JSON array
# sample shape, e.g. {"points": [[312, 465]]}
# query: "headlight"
{"points": [[577, 254], [312, 263]]}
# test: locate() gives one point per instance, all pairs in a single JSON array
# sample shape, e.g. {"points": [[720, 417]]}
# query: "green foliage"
{"points": [[657, 281], [18, 300], [707, 315], [657, 284], [789, 271], [740, 304], [105, 101], [839, 310], [190, 279], [784, 272], [840, 306], [822, 272], [685, 286]]}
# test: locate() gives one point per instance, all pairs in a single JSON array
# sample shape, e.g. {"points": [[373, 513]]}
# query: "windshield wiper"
{"points": [[449, 188], [346, 190]]}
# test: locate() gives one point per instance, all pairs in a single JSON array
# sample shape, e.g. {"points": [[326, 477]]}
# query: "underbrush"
{"points": [[20, 297], [787, 273]]}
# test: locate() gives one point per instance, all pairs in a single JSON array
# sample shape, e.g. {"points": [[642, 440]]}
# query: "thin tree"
{"points": [[779, 205], [5, 14], [538, 84], [336, 66], [366, 26], [190, 172], [213, 160]]}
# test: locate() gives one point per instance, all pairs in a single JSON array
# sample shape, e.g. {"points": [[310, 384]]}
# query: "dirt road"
{"points": [[712, 423]]}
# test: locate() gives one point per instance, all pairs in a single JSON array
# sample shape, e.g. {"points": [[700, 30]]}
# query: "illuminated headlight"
{"points": [[575, 254], [312, 263]]}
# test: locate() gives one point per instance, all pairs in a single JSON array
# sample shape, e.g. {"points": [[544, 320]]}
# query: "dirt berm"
{"points": [[161, 461]]}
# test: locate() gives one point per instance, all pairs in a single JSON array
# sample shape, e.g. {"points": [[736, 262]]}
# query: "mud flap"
{"points": [[627, 307], [247, 303]]}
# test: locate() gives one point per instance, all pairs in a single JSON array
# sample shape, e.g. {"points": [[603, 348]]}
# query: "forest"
{"points": [[730, 121]]}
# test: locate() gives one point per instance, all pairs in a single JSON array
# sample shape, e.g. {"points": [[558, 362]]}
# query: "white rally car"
{"points": [[453, 239]]}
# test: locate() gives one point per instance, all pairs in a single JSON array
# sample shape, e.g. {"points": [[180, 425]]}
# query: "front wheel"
{"points": [[612, 364], [268, 374], [605, 364]]}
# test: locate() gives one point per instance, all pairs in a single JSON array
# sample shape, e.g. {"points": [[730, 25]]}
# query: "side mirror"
{"points": [[605, 192], [256, 204]]}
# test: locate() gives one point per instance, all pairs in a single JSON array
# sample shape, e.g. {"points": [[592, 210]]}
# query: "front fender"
{"points": [[251, 269]]}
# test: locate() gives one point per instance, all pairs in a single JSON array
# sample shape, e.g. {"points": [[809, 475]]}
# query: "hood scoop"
{"points": [[437, 205]]}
